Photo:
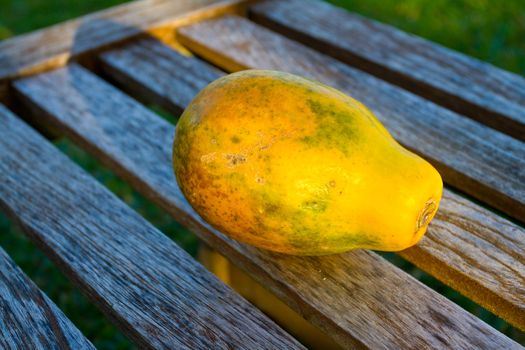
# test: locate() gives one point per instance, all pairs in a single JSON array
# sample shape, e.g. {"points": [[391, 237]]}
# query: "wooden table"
{"points": [[86, 79]]}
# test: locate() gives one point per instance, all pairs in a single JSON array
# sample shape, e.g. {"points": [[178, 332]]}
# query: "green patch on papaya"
{"points": [[271, 208], [262, 226], [356, 240], [235, 177], [317, 202], [316, 206], [271, 204], [304, 237], [334, 126]]}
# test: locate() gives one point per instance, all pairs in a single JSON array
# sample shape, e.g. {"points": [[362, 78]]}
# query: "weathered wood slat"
{"points": [[478, 253], [153, 290], [464, 84], [157, 74], [475, 251], [358, 298], [28, 318], [54, 46], [472, 157]]}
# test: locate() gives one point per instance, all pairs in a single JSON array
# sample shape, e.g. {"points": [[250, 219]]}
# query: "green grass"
{"points": [[490, 30], [21, 16]]}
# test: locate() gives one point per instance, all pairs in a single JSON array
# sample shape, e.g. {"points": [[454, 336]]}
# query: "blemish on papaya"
{"points": [[261, 224], [235, 139], [271, 208], [235, 159]]}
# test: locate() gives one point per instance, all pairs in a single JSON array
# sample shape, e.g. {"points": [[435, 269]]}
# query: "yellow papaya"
{"points": [[294, 166]]}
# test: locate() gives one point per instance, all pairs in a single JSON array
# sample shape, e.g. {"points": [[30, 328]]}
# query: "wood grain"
{"points": [[54, 46], [469, 248], [464, 84], [358, 298], [29, 319], [153, 290], [478, 160], [156, 74]]}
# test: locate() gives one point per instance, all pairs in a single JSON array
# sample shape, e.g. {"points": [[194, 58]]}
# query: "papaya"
{"points": [[291, 165]]}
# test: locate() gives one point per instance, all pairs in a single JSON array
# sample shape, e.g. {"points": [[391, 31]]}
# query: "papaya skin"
{"points": [[294, 166]]}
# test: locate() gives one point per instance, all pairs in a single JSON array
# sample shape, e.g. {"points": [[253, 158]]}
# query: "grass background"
{"points": [[493, 31]]}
